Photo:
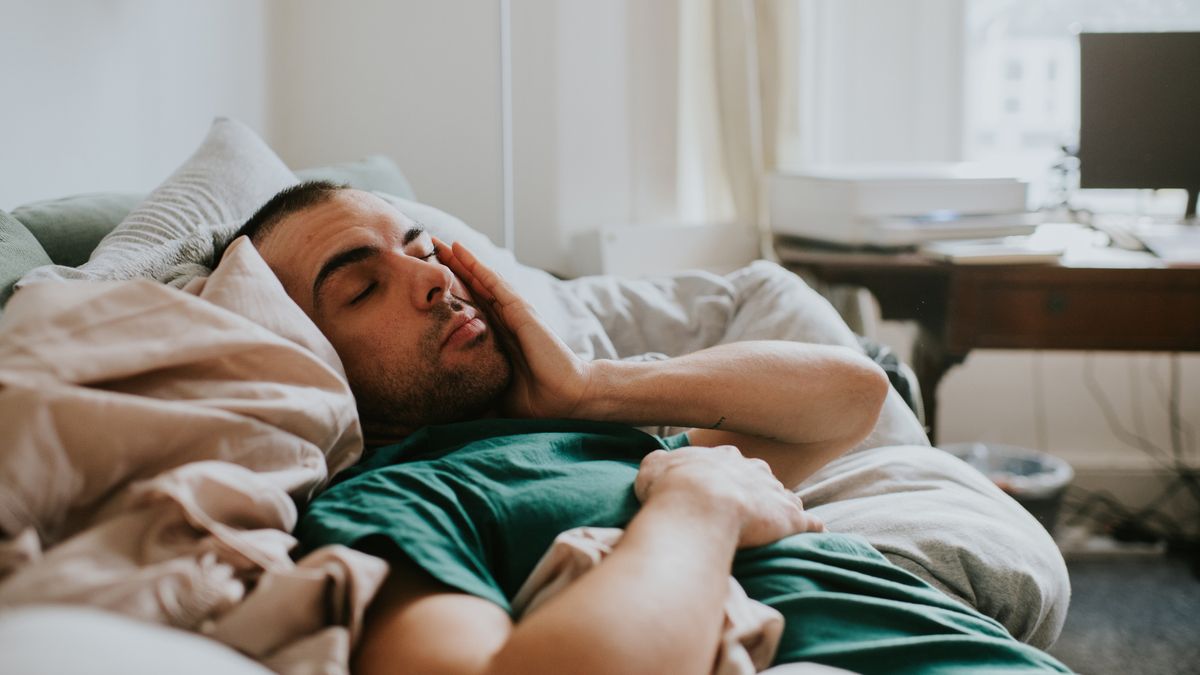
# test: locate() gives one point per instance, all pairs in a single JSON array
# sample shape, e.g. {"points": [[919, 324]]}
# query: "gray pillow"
{"points": [[19, 253], [172, 235], [70, 228], [374, 173]]}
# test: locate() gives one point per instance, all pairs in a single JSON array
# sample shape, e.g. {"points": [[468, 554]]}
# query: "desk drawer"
{"points": [[1082, 309]]}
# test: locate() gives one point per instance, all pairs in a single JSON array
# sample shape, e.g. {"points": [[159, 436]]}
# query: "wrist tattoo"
{"points": [[719, 423]]}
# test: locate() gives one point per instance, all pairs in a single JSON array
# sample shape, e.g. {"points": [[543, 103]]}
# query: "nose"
{"points": [[429, 282]]}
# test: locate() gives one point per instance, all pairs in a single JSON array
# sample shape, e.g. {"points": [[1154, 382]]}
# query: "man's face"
{"points": [[416, 348]]}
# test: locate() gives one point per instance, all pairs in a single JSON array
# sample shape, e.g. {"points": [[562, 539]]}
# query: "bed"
{"points": [[162, 427]]}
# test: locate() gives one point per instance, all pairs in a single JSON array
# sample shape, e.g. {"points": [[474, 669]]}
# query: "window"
{"points": [[1021, 73]]}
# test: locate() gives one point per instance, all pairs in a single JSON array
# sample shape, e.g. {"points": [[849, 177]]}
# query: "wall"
{"points": [[593, 120], [416, 80], [113, 95]]}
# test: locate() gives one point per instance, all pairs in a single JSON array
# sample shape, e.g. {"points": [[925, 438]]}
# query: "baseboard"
{"points": [[1136, 487]]}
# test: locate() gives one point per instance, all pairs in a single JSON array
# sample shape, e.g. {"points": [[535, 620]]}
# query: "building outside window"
{"points": [[1021, 80]]}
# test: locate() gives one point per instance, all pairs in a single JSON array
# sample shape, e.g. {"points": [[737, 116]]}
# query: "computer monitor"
{"points": [[1139, 110]]}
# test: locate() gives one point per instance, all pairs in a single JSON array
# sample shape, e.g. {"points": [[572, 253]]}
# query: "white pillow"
{"points": [[172, 235]]}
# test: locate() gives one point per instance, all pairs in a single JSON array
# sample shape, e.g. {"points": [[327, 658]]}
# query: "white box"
{"points": [[640, 250], [896, 204]]}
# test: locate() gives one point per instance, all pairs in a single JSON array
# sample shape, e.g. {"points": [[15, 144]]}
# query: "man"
{"points": [[462, 509]]}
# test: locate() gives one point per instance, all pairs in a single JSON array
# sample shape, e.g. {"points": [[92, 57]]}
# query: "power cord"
{"points": [[1118, 521]]}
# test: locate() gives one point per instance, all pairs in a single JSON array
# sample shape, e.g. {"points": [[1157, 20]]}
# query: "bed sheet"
{"points": [[156, 445]]}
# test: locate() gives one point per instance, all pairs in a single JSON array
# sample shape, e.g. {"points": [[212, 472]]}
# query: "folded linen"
{"points": [[751, 631]]}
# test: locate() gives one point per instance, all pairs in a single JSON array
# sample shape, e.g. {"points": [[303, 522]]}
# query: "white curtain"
{"points": [[738, 102]]}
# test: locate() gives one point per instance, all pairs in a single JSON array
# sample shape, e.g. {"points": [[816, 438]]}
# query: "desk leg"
{"points": [[930, 363]]}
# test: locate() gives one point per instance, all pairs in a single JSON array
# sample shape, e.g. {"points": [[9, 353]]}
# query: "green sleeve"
{"points": [[675, 442]]}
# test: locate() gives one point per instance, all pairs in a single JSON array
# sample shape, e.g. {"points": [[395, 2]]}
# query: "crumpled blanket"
{"points": [[749, 637], [154, 447]]}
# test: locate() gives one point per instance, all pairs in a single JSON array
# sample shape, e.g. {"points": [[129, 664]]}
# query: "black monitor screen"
{"points": [[1140, 111]]}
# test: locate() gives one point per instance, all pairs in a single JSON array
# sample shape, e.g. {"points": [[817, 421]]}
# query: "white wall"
{"points": [[113, 95], [413, 79], [593, 120]]}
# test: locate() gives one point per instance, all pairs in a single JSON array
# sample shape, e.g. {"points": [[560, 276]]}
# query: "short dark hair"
{"points": [[285, 202]]}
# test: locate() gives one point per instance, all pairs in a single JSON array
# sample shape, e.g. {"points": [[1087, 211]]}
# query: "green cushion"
{"points": [[374, 173], [70, 228], [19, 253]]}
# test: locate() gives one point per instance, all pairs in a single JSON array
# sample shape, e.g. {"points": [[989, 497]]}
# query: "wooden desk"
{"points": [[963, 307]]}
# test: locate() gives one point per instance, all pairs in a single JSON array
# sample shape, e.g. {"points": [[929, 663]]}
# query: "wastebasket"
{"points": [[1035, 479]]}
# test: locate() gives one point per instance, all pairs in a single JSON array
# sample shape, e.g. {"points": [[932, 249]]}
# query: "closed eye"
{"points": [[365, 292], [432, 254]]}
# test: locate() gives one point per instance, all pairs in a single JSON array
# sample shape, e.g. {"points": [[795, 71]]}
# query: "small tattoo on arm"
{"points": [[719, 423]]}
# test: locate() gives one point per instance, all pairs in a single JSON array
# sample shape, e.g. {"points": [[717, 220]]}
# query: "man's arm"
{"points": [[797, 406], [654, 605], [794, 405]]}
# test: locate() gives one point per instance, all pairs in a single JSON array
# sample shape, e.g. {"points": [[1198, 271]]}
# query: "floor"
{"points": [[1131, 616]]}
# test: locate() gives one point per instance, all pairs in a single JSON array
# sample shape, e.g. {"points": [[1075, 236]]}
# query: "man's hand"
{"points": [[549, 380], [733, 486]]}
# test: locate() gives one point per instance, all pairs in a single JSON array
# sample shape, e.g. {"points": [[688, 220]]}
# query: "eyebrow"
{"points": [[352, 256], [412, 233]]}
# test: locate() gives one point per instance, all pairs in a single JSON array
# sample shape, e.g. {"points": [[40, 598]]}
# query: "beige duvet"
{"points": [[154, 446]]}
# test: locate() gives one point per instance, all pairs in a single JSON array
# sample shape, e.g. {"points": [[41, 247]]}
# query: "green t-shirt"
{"points": [[477, 504]]}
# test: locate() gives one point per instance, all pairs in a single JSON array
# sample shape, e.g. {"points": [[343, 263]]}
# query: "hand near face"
{"points": [[549, 380], [721, 479]]}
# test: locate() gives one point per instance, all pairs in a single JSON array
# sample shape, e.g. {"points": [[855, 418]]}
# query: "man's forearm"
{"points": [[783, 391], [654, 605]]}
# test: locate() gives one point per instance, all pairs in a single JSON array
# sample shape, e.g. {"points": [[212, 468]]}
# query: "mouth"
{"points": [[463, 329]]}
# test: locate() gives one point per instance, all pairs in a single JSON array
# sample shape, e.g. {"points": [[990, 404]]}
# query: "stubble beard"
{"points": [[432, 392]]}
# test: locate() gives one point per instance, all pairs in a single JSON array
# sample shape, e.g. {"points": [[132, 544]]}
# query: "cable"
{"points": [[1110, 417], [1183, 434], [1138, 525], [1115, 516]]}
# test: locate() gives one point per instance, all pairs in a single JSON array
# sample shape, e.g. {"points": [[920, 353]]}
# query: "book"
{"points": [[1175, 245], [995, 251]]}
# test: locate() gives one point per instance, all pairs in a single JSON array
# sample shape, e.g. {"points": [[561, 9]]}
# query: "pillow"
{"points": [[19, 253], [372, 173], [70, 228], [172, 236]]}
